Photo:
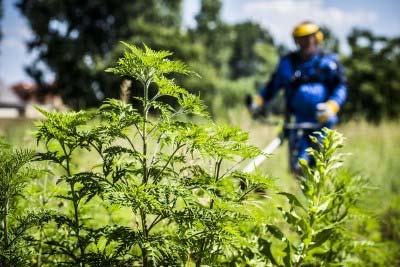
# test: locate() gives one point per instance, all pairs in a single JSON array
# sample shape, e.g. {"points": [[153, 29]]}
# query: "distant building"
{"points": [[10, 104], [19, 99]]}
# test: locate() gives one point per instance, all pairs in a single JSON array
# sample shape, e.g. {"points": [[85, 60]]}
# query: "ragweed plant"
{"points": [[176, 176], [320, 234], [15, 173]]}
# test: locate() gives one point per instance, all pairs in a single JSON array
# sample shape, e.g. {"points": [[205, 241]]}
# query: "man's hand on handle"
{"points": [[327, 110], [255, 105]]}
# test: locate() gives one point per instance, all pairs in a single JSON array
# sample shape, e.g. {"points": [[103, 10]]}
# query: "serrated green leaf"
{"points": [[292, 199]]}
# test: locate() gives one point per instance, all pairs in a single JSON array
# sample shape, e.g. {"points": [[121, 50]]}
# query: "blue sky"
{"points": [[278, 16]]}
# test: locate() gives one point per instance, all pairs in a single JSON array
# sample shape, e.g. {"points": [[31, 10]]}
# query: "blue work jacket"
{"points": [[307, 83]]}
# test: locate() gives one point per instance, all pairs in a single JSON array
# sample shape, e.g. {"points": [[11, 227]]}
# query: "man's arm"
{"points": [[257, 102], [336, 83], [271, 88]]}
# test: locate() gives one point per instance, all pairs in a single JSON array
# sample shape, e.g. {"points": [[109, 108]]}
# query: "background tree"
{"points": [[373, 76], [245, 61], [214, 34], [331, 42], [74, 40]]}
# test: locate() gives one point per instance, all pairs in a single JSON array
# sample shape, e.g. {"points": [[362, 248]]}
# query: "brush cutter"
{"points": [[277, 141]]}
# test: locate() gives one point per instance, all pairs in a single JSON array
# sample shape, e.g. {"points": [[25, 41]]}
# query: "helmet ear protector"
{"points": [[319, 36], [308, 28]]}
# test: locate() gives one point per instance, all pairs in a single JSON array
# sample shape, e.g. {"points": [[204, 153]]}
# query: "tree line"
{"points": [[75, 40]]}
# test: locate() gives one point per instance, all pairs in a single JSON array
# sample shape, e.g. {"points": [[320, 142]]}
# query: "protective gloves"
{"points": [[255, 104], [327, 110]]}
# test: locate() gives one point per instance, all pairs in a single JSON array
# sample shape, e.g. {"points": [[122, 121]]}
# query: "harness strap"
{"points": [[299, 78]]}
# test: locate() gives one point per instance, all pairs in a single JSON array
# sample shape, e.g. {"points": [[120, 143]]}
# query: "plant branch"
{"points": [[179, 146]]}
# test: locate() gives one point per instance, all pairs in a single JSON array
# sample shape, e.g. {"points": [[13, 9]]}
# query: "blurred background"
{"points": [[53, 53]]}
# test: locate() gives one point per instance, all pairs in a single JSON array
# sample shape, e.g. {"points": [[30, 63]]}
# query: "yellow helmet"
{"points": [[308, 28]]}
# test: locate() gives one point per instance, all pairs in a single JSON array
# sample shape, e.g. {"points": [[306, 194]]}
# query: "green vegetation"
{"points": [[320, 223], [152, 180], [125, 188], [182, 209], [374, 79], [373, 154], [16, 171]]}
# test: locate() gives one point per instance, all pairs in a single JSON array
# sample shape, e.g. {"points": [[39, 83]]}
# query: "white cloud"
{"points": [[280, 16], [190, 9]]}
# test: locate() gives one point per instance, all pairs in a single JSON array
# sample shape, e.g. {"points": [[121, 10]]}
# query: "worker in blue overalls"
{"points": [[314, 85]]}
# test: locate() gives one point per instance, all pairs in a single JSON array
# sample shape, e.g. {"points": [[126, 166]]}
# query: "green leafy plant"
{"points": [[15, 172], [176, 177], [159, 185], [318, 231]]}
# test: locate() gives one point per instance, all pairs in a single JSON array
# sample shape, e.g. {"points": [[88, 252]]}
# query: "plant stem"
{"points": [[145, 235], [144, 129], [39, 255], [179, 146], [76, 218], [143, 217], [76, 206], [44, 201]]}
